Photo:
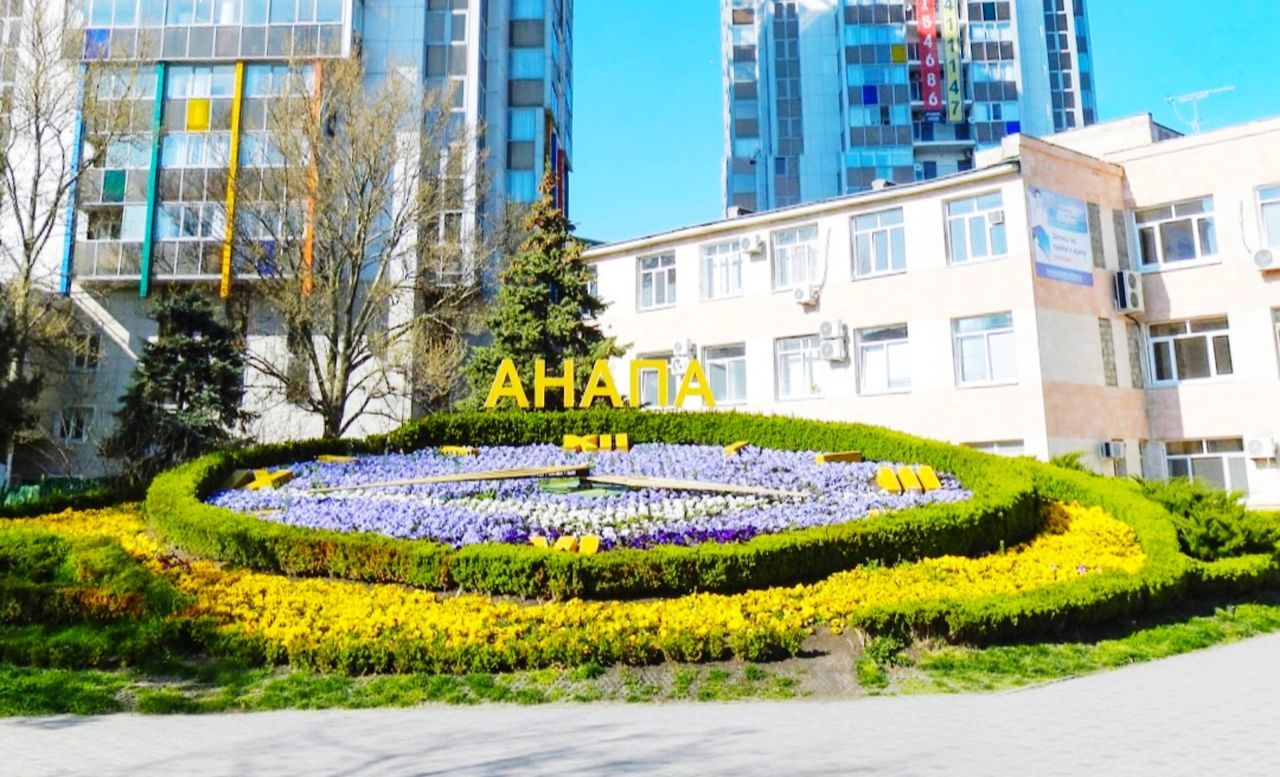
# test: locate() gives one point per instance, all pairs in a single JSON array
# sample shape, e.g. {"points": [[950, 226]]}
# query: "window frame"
{"points": [[896, 238], [812, 259], [968, 217], [670, 286], [709, 362], [863, 346], [1226, 457], [1263, 201], [1209, 335], [810, 353], [986, 335], [1209, 214], [86, 352], [61, 425], [721, 265], [673, 388]]}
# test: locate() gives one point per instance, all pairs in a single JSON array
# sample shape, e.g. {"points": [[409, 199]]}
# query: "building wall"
{"points": [[924, 298], [1085, 372]]}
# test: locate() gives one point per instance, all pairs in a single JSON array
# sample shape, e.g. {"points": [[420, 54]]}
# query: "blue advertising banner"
{"points": [[1060, 237]]}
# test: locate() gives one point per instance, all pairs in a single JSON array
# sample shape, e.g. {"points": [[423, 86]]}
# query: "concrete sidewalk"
{"points": [[1215, 712]]}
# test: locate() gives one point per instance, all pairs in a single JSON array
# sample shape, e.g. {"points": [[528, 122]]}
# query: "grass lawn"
{"points": [[884, 667]]}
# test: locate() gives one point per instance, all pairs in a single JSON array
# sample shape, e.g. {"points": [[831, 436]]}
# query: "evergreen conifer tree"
{"points": [[18, 391], [184, 396], [543, 308]]}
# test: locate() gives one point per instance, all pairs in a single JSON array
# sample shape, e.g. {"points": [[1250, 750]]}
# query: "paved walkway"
{"points": [[1216, 712]]}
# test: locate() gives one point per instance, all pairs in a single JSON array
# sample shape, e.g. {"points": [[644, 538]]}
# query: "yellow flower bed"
{"points": [[358, 627]]}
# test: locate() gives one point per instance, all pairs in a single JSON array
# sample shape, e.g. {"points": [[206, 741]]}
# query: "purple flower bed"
{"points": [[510, 511]]}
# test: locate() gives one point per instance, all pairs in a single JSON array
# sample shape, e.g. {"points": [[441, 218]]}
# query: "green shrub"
{"points": [[1003, 510], [1213, 524]]}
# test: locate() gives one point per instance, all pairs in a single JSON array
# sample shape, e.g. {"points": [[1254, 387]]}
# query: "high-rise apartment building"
{"points": [[824, 97], [198, 78]]}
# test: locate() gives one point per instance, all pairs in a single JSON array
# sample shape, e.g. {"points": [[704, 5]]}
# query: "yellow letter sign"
{"points": [[507, 384]]}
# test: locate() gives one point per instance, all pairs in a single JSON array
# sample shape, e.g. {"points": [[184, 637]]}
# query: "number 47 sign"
{"points": [[951, 46]]}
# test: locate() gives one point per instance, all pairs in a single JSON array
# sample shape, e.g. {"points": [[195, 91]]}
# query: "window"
{"points": [[86, 352], [657, 281], [1219, 463], [1181, 232], [649, 382], [74, 423], [726, 368], [722, 270], [1269, 203], [999, 447], [975, 229], [985, 350], [884, 360], [795, 257], [1190, 350], [879, 244], [798, 363]]}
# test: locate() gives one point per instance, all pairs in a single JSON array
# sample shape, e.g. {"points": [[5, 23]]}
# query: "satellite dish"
{"points": [[1264, 259]]}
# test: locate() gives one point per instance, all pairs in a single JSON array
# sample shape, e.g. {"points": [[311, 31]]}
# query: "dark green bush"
{"points": [[1213, 524], [1003, 510]]}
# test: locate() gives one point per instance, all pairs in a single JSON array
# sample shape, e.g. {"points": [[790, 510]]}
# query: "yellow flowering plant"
{"points": [[335, 624]]}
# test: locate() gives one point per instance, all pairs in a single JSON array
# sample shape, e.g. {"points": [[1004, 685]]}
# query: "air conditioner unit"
{"points": [[836, 350], [685, 348], [832, 330], [807, 295], [1113, 449], [679, 365], [753, 244], [996, 217], [1265, 260], [1128, 292], [1260, 447]]}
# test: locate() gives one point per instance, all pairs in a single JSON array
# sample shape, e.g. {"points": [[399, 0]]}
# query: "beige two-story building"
{"points": [[1110, 290]]}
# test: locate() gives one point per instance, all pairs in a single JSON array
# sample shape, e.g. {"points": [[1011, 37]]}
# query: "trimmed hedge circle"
{"points": [[1003, 512]]}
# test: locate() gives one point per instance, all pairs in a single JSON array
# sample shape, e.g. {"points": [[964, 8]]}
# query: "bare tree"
{"points": [[42, 159], [352, 219]]}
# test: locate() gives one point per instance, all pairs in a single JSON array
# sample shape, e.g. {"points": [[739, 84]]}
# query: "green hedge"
{"points": [[106, 495], [1002, 512]]}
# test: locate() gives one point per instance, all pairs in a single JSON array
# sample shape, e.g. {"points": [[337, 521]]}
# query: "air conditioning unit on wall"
{"points": [[807, 295], [836, 350], [1128, 292], [832, 330], [1111, 450], [1260, 447]]}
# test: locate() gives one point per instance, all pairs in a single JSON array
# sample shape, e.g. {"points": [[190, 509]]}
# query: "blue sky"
{"points": [[647, 104]]}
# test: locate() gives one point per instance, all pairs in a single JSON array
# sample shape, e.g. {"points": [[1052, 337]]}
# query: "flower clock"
{"points": [[654, 494]]}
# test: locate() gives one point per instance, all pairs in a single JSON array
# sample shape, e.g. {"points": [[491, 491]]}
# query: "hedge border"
{"points": [[1004, 511]]}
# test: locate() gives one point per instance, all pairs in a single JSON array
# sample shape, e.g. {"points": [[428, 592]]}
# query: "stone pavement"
{"points": [[1216, 712]]}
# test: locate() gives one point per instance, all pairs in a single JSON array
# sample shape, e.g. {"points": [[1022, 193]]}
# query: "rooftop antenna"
{"points": [[1194, 99]]}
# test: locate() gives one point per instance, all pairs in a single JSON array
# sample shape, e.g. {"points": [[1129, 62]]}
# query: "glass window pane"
{"points": [[899, 249], [899, 366], [1192, 355], [978, 236], [1163, 360], [959, 245], [1148, 246], [881, 242], [1004, 362], [1178, 240], [1185, 447], [1179, 468], [1209, 471], [1239, 475], [1208, 238], [1271, 223], [875, 369], [973, 359], [1235, 445], [1222, 355]]}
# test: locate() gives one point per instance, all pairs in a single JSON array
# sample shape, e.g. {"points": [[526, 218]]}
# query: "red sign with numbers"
{"points": [[931, 88]]}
